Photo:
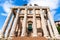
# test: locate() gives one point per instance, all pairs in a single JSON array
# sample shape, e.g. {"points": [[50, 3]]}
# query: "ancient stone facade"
{"points": [[30, 21]]}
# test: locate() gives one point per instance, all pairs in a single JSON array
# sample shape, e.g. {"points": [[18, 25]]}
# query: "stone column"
{"points": [[16, 29], [14, 24], [24, 24], [50, 29], [19, 32], [5, 24], [9, 27], [43, 24], [34, 24], [53, 24]]}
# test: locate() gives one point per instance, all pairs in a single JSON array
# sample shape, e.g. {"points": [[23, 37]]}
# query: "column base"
{"points": [[53, 37], [34, 35], [10, 37], [1, 34], [6, 38], [22, 35], [57, 37], [47, 36]]}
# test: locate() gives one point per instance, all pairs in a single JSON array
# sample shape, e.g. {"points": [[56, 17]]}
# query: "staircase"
{"points": [[29, 38]]}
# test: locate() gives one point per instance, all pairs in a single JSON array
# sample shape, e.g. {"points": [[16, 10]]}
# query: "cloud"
{"points": [[52, 4], [4, 14], [6, 7], [53, 12]]}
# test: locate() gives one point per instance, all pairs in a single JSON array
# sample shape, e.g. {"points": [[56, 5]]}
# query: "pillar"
{"points": [[5, 24], [50, 29], [14, 24], [16, 29], [56, 34], [43, 24], [34, 24], [19, 32], [24, 24], [9, 27]]}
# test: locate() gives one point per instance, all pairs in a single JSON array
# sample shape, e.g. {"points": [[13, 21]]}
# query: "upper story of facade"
{"points": [[29, 10]]}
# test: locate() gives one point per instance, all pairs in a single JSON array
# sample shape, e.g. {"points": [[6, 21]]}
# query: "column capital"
{"points": [[48, 9]]}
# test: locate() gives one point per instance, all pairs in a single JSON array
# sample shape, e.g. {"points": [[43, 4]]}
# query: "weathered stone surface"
{"points": [[29, 38]]}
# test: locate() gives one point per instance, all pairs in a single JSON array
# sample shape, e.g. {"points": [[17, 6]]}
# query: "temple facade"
{"points": [[30, 21]]}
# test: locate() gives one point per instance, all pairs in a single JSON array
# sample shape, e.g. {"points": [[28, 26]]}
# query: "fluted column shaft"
{"points": [[52, 23], [34, 24], [14, 24], [16, 29], [9, 27], [6, 23], [50, 29], [43, 23], [19, 32], [24, 24]]}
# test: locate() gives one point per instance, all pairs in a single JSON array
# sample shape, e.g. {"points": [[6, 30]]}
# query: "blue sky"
{"points": [[6, 4]]}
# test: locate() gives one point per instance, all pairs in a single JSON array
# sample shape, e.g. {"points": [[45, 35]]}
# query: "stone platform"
{"points": [[29, 38]]}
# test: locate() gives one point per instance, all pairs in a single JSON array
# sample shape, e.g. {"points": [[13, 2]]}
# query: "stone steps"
{"points": [[29, 38]]}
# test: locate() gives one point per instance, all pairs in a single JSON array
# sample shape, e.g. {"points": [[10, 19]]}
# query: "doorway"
{"points": [[29, 30]]}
